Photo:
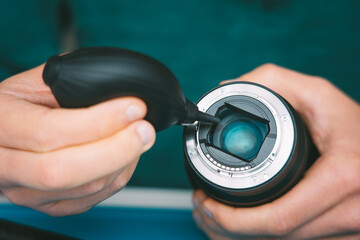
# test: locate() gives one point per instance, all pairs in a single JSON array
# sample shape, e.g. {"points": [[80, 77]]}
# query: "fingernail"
{"points": [[196, 202], [134, 112], [146, 132], [207, 212]]}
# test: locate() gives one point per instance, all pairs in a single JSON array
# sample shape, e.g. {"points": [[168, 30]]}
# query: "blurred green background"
{"points": [[201, 41]]}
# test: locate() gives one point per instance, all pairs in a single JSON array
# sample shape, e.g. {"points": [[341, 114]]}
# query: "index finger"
{"points": [[28, 126]]}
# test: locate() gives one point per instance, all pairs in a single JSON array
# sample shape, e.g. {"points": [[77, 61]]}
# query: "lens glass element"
{"points": [[239, 136], [242, 138]]}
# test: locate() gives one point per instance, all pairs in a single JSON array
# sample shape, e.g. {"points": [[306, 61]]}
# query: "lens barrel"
{"points": [[257, 152]]}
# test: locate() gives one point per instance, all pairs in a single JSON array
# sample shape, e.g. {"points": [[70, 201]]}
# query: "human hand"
{"points": [[326, 202], [65, 161]]}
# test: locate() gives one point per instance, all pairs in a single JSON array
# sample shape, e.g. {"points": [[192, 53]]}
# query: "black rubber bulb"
{"points": [[92, 75]]}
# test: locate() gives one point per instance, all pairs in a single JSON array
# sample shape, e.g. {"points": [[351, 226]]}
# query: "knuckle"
{"points": [[269, 68], [347, 174], [222, 220], [227, 225], [282, 228], [280, 223], [323, 82], [317, 83]]}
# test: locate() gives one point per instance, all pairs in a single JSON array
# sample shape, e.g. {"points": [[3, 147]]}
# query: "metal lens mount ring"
{"points": [[272, 160]]}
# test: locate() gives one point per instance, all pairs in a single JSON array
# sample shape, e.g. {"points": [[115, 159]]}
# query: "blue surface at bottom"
{"points": [[111, 223]]}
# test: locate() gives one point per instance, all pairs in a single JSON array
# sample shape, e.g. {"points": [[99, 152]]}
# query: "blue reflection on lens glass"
{"points": [[243, 139]]}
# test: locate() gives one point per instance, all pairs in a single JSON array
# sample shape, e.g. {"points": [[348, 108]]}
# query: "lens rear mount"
{"points": [[265, 155], [237, 110]]}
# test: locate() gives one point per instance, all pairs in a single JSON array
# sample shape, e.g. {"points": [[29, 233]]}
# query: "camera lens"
{"points": [[242, 139], [256, 153]]}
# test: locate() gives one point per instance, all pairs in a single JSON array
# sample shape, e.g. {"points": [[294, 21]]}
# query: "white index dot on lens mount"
{"points": [[193, 152], [284, 117], [266, 176]]}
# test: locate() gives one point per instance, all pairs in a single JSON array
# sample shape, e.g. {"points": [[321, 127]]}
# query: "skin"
{"points": [[325, 204], [65, 161]]}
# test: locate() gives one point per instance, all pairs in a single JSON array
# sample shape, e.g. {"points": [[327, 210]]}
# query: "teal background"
{"points": [[201, 41], [108, 223]]}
